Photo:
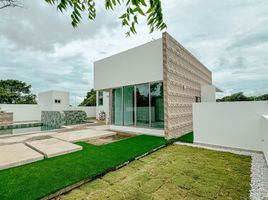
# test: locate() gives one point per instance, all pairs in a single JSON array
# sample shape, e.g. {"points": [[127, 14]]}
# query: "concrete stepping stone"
{"points": [[82, 135], [13, 155], [53, 147], [100, 128]]}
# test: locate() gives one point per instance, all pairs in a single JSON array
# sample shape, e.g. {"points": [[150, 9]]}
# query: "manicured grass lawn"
{"points": [[36, 180], [188, 138], [175, 172]]}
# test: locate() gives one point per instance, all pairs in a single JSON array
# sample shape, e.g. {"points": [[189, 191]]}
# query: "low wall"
{"points": [[230, 124], [265, 136], [74, 117], [53, 118], [59, 118], [32, 112], [6, 118], [90, 110], [23, 112]]}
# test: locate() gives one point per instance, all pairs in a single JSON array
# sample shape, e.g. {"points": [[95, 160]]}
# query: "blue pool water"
{"points": [[25, 130]]}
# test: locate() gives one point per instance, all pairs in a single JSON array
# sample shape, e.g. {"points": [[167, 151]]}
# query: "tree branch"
{"points": [[9, 3]]}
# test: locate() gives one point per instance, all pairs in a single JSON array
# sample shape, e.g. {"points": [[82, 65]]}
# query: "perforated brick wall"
{"points": [[183, 77]]}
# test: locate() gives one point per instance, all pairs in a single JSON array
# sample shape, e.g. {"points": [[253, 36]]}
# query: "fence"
{"points": [[232, 124], [32, 112], [23, 112], [265, 135]]}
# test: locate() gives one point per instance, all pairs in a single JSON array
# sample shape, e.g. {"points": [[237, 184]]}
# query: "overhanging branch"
{"points": [[9, 3]]}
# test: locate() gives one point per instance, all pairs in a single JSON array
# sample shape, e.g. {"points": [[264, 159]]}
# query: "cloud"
{"points": [[38, 45], [39, 26]]}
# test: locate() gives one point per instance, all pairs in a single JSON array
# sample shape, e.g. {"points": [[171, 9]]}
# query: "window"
{"points": [[129, 105], [157, 105], [57, 101], [139, 105], [142, 105], [100, 98], [198, 99], [117, 106]]}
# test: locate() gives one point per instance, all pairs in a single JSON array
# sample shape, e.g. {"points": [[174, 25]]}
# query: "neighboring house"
{"points": [[54, 100], [150, 88]]}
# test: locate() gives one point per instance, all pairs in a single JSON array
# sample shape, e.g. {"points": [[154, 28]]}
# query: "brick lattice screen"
{"points": [[183, 77]]}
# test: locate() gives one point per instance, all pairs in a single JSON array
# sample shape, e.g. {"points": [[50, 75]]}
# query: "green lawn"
{"points": [[45, 177], [188, 138], [175, 172]]}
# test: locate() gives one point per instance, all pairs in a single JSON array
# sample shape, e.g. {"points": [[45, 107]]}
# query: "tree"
{"points": [[16, 92], [241, 97], [151, 9], [90, 99], [262, 98], [9, 3]]}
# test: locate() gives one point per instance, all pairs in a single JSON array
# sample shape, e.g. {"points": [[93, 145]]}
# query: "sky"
{"points": [[39, 46]]}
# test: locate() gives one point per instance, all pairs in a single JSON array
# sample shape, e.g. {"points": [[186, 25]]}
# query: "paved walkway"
{"points": [[17, 154], [82, 135], [19, 150], [53, 147]]}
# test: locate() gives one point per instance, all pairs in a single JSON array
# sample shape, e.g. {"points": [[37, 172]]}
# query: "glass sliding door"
{"points": [[157, 105], [117, 106], [142, 105], [139, 105], [129, 106]]}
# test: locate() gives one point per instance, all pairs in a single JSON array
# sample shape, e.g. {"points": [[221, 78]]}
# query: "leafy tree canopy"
{"points": [[151, 9], [90, 99], [241, 97], [16, 92]]}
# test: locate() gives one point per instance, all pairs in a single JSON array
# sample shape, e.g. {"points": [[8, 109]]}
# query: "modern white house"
{"points": [[150, 88]]}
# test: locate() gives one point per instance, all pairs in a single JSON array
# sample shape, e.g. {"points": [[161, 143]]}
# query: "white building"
{"points": [[53, 100], [151, 88]]}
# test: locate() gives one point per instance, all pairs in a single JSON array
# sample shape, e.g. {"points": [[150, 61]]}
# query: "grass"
{"points": [[188, 138], [39, 179], [175, 172]]}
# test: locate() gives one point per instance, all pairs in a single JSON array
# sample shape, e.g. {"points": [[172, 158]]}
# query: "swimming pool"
{"points": [[18, 131]]}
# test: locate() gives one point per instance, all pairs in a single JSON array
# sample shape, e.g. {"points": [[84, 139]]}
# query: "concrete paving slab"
{"points": [[13, 155], [24, 138], [100, 128], [82, 135], [53, 147]]}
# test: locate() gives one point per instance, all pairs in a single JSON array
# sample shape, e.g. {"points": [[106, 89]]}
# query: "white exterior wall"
{"points": [[208, 93], [230, 124], [104, 107], [265, 136], [32, 112], [138, 65], [23, 112], [90, 110], [46, 100]]}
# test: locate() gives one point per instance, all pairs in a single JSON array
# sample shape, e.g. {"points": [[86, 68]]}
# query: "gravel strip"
{"points": [[259, 177], [259, 169]]}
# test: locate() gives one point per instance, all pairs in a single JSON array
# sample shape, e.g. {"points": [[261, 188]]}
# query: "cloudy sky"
{"points": [[39, 46]]}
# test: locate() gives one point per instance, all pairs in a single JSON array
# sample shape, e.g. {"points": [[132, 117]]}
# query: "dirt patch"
{"points": [[110, 139]]}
